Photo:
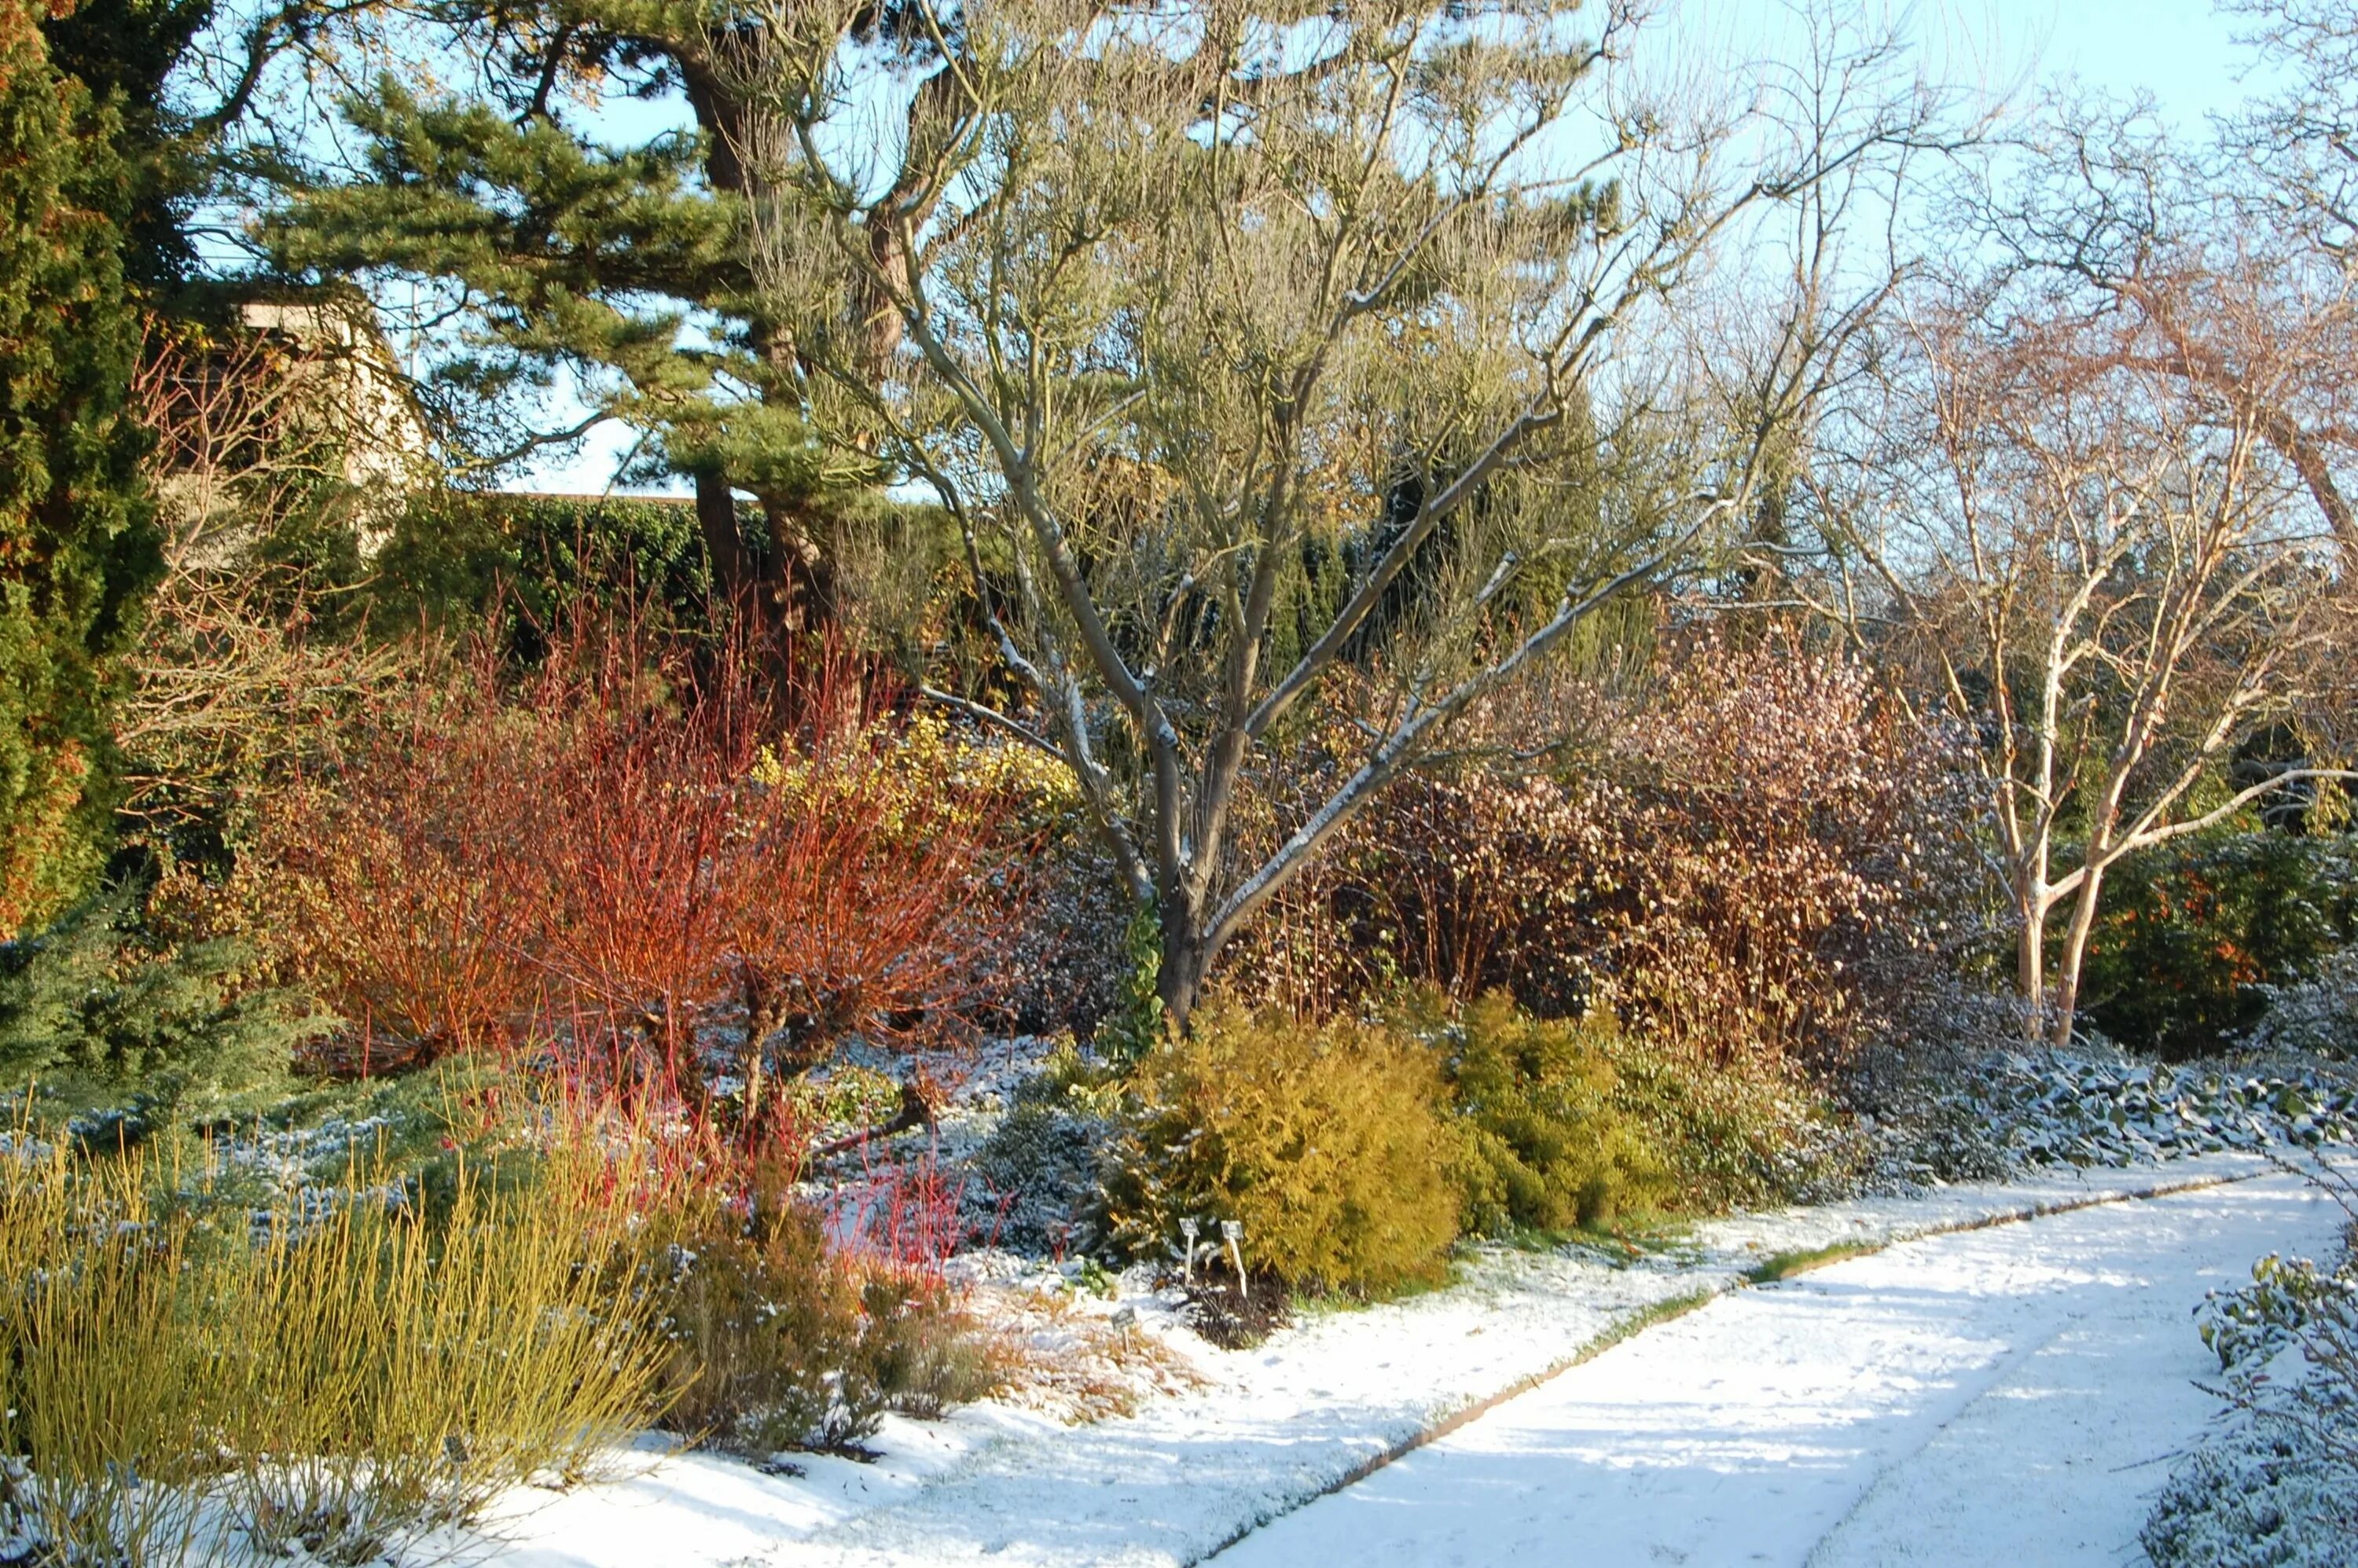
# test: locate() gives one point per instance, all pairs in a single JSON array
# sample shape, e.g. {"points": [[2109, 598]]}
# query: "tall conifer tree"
{"points": [[629, 259], [77, 536]]}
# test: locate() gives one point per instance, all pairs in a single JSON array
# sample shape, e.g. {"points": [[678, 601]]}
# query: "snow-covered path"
{"points": [[1869, 1393], [2008, 1395]]}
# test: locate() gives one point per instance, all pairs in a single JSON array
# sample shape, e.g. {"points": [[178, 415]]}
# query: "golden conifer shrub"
{"points": [[1327, 1143]]}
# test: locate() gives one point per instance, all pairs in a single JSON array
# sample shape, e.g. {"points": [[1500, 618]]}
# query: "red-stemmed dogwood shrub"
{"points": [[657, 871]]}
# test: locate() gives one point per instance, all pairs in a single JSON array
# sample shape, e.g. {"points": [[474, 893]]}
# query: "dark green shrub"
{"points": [[1549, 1144], [1237, 1314], [78, 540], [1327, 1143], [777, 1343], [2194, 933], [111, 1024], [2318, 1013], [1040, 1162], [456, 556], [1039, 1166]]}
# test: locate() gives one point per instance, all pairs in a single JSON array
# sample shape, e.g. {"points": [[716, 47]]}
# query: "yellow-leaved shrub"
{"points": [[1744, 1134], [1327, 1143]]}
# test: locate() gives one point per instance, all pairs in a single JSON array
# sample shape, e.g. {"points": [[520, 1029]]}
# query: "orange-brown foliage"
{"points": [[1730, 854], [636, 864]]}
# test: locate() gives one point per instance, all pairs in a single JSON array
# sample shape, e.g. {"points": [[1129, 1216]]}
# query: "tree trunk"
{"points": [[716, 519], [2030, 959], [801, 578], [2075, 951], [791, 587], [1186, 958]]}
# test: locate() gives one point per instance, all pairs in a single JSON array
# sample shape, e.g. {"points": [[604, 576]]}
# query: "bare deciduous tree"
{"points": [[2300, 144], [2106, 572], [2204, 244], [1256, 348], [253, 430]]}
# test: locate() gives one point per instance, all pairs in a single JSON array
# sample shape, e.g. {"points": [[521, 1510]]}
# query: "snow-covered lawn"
{"points": [[2008, 1396], [1833, 1393]]}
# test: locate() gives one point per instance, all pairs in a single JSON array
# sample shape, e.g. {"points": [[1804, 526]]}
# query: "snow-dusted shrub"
{"points": [[2090, 1106], [2296, 1309], [2317, 1014], [1039, 1167], [2253, 1498], [1327, 1143], [777, 1340], [1751, 851], [1549, 1143], [1064, 950], [2278, 1485]]}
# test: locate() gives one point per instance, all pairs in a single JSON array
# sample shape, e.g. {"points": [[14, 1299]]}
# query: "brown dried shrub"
{"points": [[1753, 854]]}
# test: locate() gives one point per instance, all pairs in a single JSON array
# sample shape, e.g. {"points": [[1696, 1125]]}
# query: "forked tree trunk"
{"points": [[2075, 955], [1186, 959]]}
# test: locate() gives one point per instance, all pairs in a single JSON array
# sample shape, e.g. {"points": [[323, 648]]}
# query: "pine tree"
{"points": [[591, 253], [584, 256], [77, 541], [109, 1022]]}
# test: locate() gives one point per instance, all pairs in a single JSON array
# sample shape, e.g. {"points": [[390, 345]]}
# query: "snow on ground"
{"points": [[1281, 1424], [2008, 1395]]}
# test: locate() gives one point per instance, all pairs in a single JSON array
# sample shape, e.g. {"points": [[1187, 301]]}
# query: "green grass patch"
{"points": [[1785, 1265], [1653, 1235], [1637, 1323]]}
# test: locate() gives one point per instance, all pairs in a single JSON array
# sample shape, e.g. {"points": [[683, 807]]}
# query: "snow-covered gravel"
{"points": [[1284, 1423], [2008, 1395]]}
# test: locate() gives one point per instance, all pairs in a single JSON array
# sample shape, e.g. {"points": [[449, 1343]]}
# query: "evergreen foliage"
{"points": [[456, 557], [2195, 933], [1548, 1145], [1137, 1022], [584, 254], [1327, 1143], [101, 1021], [124, 52], [626, 265], [773, 1343], [77, 543]]}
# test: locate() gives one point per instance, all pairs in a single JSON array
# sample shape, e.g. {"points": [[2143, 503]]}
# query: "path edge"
{"points": [[1672, 1308]]}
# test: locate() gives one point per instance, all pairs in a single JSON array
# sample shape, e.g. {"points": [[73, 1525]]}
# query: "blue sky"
{"points": [[2182, 52]]}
